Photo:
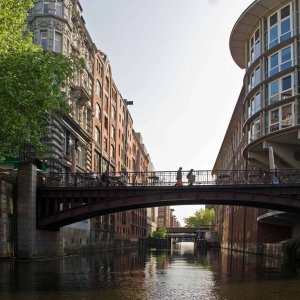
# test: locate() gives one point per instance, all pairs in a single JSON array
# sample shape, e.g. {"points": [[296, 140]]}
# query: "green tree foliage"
{"points": [[159, 233], [201, 217], [30, 81]]}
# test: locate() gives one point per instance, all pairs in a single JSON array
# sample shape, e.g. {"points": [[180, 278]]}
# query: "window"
{"points": [[81, 155], [59, 8], [106, 84], [286, 58], [97, 162], [274, 120], [279, 24], [46, 6], [98, 112], [280, 61], [286, 116], [57, 42], [98, 88], [112, 151], [106, 103], [254, 131], [254, 105], [97, 135], [281, 118], [106, 123], [254, 44], [44, 40], [113, 113], [105, 144], [287, 87], [254, 79], [279, 89], [274, 68], [113, 132], [274, 91]]}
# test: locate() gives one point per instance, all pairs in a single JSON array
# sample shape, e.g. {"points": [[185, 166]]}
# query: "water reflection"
{"points": [[178, 274]]}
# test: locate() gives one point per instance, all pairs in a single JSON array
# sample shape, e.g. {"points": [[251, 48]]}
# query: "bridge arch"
{"points": [[57, 207]]}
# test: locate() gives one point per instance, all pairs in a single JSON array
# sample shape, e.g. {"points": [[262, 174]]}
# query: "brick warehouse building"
{"points": [[97, 135], [264, 128]]}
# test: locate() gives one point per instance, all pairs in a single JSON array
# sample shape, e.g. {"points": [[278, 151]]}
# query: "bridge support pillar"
{"points": [[31, 242]]}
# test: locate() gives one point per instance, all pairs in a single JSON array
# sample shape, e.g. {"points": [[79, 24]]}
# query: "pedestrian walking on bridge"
{"points": [[191, 177], [179, 177]]}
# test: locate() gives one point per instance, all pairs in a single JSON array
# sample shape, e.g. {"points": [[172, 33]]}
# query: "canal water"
{"points": [[151, 275]]}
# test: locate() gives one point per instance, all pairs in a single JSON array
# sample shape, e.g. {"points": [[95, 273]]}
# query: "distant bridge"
{"points": [[64, 199], [202, 228], [189, 232]]}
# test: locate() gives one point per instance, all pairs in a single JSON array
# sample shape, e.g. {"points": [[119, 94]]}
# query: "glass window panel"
{"points": [[44, 40], [285, 26], [274, 116], [274, 88], [46, 7], [98, 112], [286, 116], [257, 102], [257, 34], [58, 42], [273, 36], [266, 94], [285, 12], [257, 76], [274, 60], [286, 83], [286, 112], [98, 88], [285, 36], [267, 68], [273, 19], [58, 8], [274, 120], [286, 54], [257, 49]]}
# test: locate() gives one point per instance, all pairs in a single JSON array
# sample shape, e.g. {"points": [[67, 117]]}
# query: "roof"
{"points": [[246, 25]]}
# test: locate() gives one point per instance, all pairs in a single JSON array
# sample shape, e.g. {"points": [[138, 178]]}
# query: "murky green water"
{"points": [[181, 274]]}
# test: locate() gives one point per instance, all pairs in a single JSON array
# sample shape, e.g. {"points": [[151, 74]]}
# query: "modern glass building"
{"points": [[264, 129], [265, 42]]}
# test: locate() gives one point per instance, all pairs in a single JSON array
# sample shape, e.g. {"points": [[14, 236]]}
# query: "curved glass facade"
{"points": [[271, 81]]}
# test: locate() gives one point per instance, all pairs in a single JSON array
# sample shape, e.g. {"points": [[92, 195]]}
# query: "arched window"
{"points": [[98, 111], [97, 135], [113, 132], [112, 151], [98, 88]]}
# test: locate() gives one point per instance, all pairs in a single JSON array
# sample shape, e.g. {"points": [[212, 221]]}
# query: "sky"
{"points": [[172, 59]]}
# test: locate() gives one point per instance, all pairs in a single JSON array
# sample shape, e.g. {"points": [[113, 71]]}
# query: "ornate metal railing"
{"points": [[168, 178]]}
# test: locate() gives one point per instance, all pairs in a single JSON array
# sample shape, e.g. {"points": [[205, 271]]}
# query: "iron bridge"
{"points": [[64, 199]]}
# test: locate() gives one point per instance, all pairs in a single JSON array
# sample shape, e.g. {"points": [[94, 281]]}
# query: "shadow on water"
{"points": [[181, 273]]}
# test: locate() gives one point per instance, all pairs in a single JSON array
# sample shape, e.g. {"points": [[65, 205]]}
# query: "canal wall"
{"points": [[267, 249]]}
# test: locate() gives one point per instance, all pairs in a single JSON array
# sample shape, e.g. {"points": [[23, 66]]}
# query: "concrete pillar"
{"points": [[32, 242], [6, 234]]}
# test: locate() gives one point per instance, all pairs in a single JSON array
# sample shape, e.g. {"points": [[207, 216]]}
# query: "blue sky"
{"points": [[172, 58]]}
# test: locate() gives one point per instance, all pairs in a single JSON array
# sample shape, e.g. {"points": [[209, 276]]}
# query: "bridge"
{"points": [[63, 199], [190, 232]]}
